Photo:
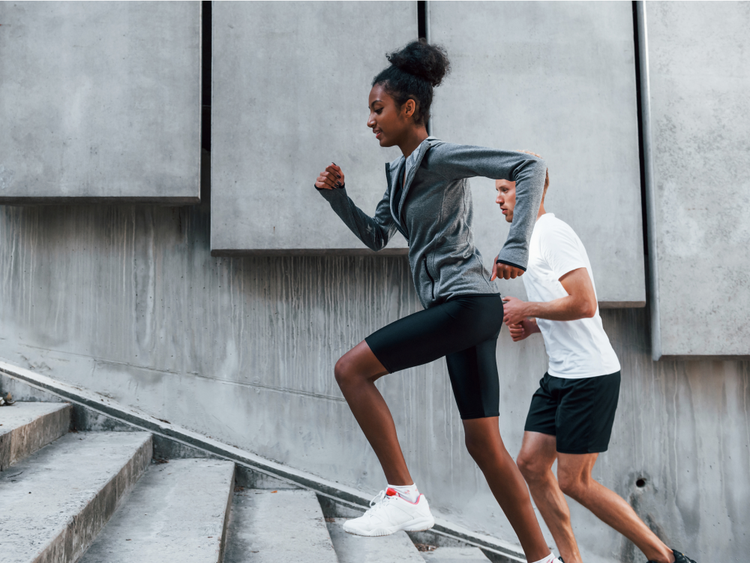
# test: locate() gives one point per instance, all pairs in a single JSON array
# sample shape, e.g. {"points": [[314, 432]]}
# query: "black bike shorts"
{"points": [[578, 412], [464, 329]]}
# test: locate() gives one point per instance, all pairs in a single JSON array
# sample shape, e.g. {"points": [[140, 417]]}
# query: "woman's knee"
{"points": [[484, 447], [344, 371], [350, 369]]}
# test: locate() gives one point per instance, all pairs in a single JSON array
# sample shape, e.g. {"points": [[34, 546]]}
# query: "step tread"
{"points": [[285, 525], [28, 427], [42, 497], [357, 549], [176, 512], [455, 555]]}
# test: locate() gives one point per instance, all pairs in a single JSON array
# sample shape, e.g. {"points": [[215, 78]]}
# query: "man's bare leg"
{"points": [[538, 453], [574, 475]]}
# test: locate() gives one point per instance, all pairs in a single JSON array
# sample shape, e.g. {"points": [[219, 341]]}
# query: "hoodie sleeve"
{"points": [[376, 231], [455, 162]]}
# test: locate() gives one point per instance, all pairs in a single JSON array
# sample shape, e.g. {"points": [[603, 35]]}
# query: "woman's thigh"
{"points": [[475, 381], [453, 326]]}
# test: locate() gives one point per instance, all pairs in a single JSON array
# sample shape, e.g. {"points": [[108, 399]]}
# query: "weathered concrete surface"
{"points": [[272, 526], [556, 78], [176, 512], [128, 302], [54, 503], [697, 145], [455, 555], [271, 136], [358, 549], [27, 427], [100, 101], [173, 442]]}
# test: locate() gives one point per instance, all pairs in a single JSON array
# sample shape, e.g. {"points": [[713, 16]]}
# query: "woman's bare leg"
{"points": [[356, 373], [506, 482]]}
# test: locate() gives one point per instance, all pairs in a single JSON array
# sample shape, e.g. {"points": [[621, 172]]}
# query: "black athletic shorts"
{"points": [[578, 412], [464, 329]]}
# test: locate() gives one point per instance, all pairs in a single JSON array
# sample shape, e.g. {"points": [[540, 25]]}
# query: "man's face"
{"points": [[506, 197]]}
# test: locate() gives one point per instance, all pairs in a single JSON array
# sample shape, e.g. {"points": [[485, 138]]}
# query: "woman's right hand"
{"points": [[331, 178]]}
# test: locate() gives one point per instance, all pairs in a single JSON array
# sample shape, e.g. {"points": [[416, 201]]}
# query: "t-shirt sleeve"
{"points": [[563, 251]]}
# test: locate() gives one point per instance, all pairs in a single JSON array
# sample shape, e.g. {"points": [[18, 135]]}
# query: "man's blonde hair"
{"points": [[546, 174]]}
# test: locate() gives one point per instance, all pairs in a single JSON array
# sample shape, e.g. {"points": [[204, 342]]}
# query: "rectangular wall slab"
{"points": [[558, 79], [100, 101], [290, 87], [697, 117]]}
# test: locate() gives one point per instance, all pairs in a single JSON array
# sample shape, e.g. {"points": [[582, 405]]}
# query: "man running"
{"points": [[571, 414]]}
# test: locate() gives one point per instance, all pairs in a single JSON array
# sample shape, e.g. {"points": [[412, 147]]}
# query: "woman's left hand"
{"points": [[505, 271]]}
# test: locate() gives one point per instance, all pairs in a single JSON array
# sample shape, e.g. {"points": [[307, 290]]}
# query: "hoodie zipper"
{"points": [[432, 280]]}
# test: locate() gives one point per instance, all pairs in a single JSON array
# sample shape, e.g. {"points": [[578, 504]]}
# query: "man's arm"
{"points": [[580, 302]]}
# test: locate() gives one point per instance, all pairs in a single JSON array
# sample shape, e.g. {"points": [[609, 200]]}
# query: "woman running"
{"points": [[428, 200]]}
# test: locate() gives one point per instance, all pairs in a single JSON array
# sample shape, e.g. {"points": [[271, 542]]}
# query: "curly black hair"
{"points": [[415, 70]]}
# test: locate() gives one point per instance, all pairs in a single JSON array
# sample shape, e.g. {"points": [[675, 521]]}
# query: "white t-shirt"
{"points": [[579, 348]]}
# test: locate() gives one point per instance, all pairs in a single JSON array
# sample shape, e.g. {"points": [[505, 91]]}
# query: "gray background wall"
{"points": [[100, 101], [127, 300], [699, 186]]}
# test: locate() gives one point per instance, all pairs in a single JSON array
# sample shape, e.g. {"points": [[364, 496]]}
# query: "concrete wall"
{"points": [[272, 135], [127, 301], [697, 56], [556, 78], [100, 101]]}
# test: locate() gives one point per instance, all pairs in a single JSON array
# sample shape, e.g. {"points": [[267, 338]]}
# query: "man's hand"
{"points": [[514, 311], [505, 271], [523, 330]]}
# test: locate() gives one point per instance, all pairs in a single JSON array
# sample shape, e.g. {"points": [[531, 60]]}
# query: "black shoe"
{"points": [[678, 558], [681, 558]]}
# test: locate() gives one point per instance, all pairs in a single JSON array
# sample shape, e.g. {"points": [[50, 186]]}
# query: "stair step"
{"points": [[27, 427], [55, 502], [176, 512], [358, 549], [455, 555], [276, 526]]}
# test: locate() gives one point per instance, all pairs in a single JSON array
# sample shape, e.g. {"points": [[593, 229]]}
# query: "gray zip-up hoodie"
{"points": [[434, 213]]}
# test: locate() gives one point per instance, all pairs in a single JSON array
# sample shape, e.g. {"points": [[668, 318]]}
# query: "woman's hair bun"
{"points": [[420, 59]]}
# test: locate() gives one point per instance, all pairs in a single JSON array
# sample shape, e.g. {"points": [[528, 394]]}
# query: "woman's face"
{"points": [[387, 121]]}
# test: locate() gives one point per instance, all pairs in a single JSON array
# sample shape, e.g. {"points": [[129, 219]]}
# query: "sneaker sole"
{"points": [[413, 526]]}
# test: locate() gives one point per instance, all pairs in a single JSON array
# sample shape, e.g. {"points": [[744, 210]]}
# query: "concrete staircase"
{"points": [[103, 497]]}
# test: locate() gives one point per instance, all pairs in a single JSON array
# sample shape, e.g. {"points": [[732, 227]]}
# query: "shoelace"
{"points": [[378, 501]]}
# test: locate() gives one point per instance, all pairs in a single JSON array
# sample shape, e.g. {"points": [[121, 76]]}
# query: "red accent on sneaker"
{"points": [[391, 492]]}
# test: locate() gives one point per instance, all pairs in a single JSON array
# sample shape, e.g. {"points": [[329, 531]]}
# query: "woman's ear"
{"points": [[409, 107]]}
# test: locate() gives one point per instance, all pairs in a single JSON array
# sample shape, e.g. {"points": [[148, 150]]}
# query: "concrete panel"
{"points": [[697, 118], [556, 78], [290, 88], [100, 101]]}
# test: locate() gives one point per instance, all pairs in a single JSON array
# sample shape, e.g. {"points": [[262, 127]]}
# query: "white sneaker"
{"points": [[390, 513]]}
